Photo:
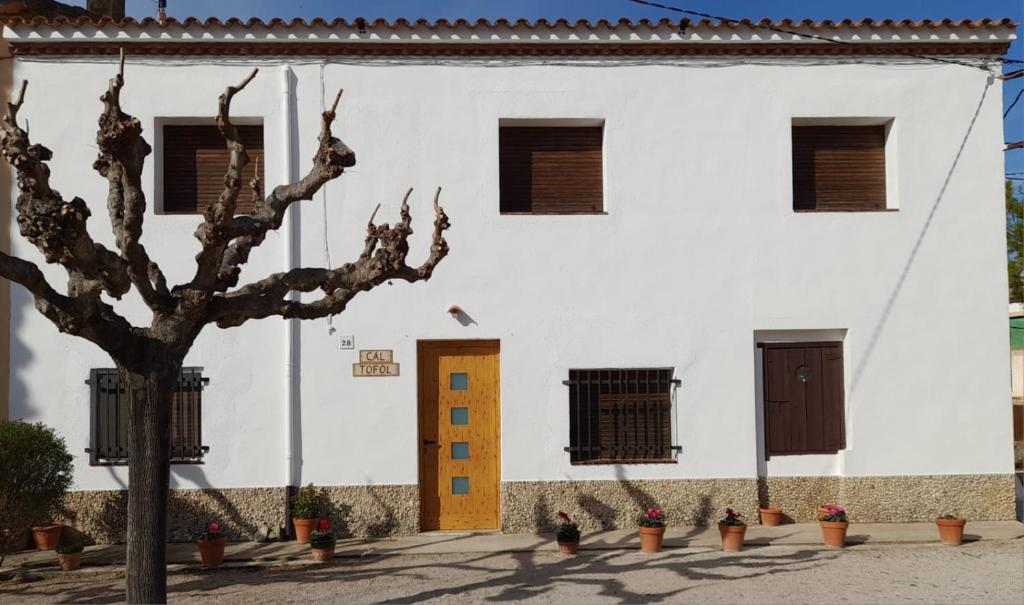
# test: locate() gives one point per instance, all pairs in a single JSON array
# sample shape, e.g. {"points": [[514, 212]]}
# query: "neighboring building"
{"points": [[1017, 379], [695, 265]]}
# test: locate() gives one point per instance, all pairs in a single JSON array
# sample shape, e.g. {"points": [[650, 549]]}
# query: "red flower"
{"points": [[564, 516], [214, 527], [325, 525]]}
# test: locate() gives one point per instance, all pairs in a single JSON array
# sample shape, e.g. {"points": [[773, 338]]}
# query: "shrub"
{"points": [[732, 518], [322, 537], [213, 532], [654, 517], [835, 514], [307, 502], [68, 546], [36, 472], [568, 531]]}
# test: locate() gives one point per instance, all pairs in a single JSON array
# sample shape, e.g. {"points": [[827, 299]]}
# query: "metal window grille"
{"points": [[109, 418], [621, 416]]}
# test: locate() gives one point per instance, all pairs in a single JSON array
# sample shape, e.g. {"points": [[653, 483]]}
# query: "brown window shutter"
{"points": [[551, 170], [803, 417], [195, 161], [838, 168]]}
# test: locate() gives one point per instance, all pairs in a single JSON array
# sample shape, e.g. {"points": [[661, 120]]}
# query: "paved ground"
{"points": [[888, 563], [979, 572]]}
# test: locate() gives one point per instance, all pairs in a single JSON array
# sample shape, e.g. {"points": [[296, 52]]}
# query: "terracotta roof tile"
{"points": [[789, 24]]}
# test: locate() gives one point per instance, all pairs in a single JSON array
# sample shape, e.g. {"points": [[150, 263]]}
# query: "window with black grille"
{"points": [[621, 416], [108, 442]]}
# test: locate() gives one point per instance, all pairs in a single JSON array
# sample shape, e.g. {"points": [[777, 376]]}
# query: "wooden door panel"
{"points": [[460, 411], [803, 415], [814, 395]]}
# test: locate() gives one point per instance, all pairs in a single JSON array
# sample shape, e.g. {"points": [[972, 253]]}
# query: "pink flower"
{"points": [[214, 527]]}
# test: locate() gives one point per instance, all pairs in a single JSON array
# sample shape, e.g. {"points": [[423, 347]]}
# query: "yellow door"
{"points": [[459, 422]]}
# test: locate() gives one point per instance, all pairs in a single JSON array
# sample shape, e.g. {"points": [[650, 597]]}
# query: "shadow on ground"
{"points": [[480, 577]]}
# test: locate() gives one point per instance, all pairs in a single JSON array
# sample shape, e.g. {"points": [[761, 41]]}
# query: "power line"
{"points": [[780, 30], [1015, 99]]}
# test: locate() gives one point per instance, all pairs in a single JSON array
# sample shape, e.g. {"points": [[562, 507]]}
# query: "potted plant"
{"points": [[211, 545], [652, 530], [322, 540], [47, 536], [69, 553], [732, 529], [834, 524], [951, 529], [305, 512], [770, 517], [568, 535]]}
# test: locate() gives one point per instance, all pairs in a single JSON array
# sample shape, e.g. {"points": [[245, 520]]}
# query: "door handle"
{"points": [[427, 442]]}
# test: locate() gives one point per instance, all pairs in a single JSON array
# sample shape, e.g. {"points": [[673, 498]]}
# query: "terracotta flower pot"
{"points": [[951, 531], [47, 537], [771, 517], [834, 533], [303, 527], [569, 548], [650, 538], [212, 551], [732, 537], [323, 555], [69, 561]]}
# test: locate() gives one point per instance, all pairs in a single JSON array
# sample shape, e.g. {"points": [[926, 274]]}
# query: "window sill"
{"points": [[843, 211], [607, 462], [807, 453], [590, 213]]}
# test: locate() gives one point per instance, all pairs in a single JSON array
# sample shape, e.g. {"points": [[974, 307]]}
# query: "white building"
{"points": [[690, 200]]}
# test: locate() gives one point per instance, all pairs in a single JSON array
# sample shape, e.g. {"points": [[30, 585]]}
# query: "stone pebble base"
{"points": [[531, 506]]}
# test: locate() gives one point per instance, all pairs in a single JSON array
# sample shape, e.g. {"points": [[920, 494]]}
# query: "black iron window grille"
{"points": [[621, 416], [108, 422]]}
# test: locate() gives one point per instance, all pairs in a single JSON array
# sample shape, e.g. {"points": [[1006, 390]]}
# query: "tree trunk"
{"points": [[150, 391]]}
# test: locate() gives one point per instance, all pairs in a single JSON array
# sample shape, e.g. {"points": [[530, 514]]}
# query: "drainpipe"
{"points": [[288, 241]]}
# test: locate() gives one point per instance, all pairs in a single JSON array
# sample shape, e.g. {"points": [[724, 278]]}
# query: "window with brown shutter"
{"points": [[803, 398], [108, 439], [838, 168], [195, 159], [620, 416], [551, 169]]}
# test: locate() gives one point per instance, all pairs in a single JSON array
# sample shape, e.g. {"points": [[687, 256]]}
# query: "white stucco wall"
{"points": [[699, 250]]}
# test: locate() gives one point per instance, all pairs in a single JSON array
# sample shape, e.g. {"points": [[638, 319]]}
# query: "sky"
{"points": [[615, 9]]}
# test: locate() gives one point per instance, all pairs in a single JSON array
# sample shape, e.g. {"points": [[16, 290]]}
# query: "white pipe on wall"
{"points": [[288, 243]]}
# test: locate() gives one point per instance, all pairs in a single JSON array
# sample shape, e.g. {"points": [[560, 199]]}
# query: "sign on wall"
{"points": [[375, 362]]}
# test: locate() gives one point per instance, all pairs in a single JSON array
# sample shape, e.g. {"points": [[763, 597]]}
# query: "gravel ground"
{"points": [[982, 572]]}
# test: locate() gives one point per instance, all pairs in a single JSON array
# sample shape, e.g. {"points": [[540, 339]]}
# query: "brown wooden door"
{"points": [[803, 398], [459, 420]]}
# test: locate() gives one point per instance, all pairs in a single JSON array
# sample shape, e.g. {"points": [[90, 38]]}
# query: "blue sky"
{"points": [[614, 9]]}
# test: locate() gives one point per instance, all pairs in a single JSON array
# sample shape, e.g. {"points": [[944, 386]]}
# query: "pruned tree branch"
{"points": [[383, 258], [93, 320], [122, 155], [214, 232], [55, 226], [247, 232]]}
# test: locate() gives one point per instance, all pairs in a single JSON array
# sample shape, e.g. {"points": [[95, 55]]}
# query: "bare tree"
{"points": [[149, 358]]}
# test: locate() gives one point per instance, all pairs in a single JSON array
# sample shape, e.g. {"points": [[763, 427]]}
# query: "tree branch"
{"points": [[57, 227], [246, 232], [383, 258], [122, 155], [94, 321], [214, 233]]}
